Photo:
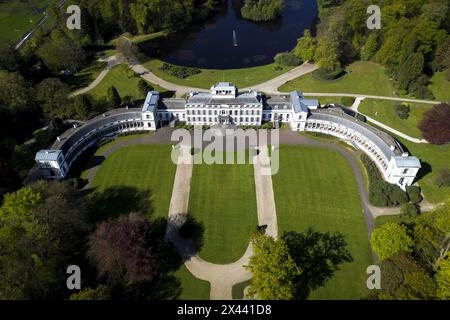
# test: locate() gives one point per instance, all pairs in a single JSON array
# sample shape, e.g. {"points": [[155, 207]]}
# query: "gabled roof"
{"points": [[296, 99], [47, 155], [151, 102]]}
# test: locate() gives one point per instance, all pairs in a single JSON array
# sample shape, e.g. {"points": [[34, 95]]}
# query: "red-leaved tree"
{"points": [[121, 249], [435, 125]]}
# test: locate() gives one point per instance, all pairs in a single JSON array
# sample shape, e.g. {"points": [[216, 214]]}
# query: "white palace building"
{"points": [[225, 105]]}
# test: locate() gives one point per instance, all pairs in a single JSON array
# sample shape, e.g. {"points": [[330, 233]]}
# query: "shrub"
{"points": [[409, 210], [434, 125], [414, 194], [144, 87], [179, 72], [324, 75], [443, 178], [348, 101], [390, 239], [360, 117], [382, 193], [287, 59], [402, 111]]}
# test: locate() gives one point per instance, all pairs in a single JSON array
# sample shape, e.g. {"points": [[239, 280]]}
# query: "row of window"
{"points": [[223, 112], [220, 106], [216, 119]]}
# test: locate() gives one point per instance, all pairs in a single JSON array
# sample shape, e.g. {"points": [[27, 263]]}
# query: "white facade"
{"points": [[225, 105]]}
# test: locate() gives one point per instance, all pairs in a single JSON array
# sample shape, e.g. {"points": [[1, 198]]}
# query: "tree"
{"points": [[60, 52], [287, 59], [442, 57], [273, 269], [127, 50], [38, 243], [418, 285], [305, 47], [144, 87], [410, 70], [52, 94], [262, 10], [432, 236], [82, 107], [409, 210], [121, 249], [326, 54], [443, 177], [102, 292], [435, 124], [14, 91], [414, 194], [319, 254], [390, 239], [443, 279], [114, 97], [370, 47]]}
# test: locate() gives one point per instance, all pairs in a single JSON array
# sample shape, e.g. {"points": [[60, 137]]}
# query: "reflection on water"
{"points": [[212, 45]]}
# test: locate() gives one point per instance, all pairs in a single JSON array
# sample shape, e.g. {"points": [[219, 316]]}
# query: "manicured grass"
{"points": [[238, 290], [440, 87], [432, 158], [364, 78], [18, 17], [87, 75], [126, 82], [384, 111], [242, 78], [192, 288], [85, 173], [145, 167], [223, 199], [316, 188]]}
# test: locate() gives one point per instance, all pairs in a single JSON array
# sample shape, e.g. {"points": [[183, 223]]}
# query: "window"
{"points": [[401, 181], [148, 116], [405, 171]]}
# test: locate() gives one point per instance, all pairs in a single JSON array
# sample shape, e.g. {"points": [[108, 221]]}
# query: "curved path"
{"points": [[111, 62]]}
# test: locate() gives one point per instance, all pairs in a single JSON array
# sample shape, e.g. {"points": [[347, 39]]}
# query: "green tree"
{"points": [[82, 107], [326, 54], [305, 46], [410, 70], [370, 47], [409, 210], [113, 97], [443, 279], [14, 91], [262, 10], [102, 292], [52, 94], [419, 285], [273, 269], [144, 87], [390, 239]]}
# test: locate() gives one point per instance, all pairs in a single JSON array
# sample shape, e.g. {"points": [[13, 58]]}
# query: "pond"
{"points": [[228, 41]]}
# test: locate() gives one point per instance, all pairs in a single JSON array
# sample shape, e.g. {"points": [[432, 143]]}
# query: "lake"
{"points": [[228, 41]]}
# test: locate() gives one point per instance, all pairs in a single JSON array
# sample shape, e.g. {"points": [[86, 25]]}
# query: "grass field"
{"points": [[18, 17], [241, 78], [363, 78], [223, 199], [385, 113], [144, 167], [126, 82], [87, 75], [191, 287], [316, 188], [432, 158], [440, 87]]}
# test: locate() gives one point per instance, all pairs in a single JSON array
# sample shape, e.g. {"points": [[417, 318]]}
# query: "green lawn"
{"points": [[238, 289], [191, 287], [242, 78], [18, 17], [316, 188], [326, 100], [126, 82], [223, 199], [364, 78], [433, 158], [145, 167], [87, 75], [384, 111], [440, 87]]}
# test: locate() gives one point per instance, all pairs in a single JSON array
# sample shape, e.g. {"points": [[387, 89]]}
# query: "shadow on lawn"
{"points": [[318, 255], [118, 200]]}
